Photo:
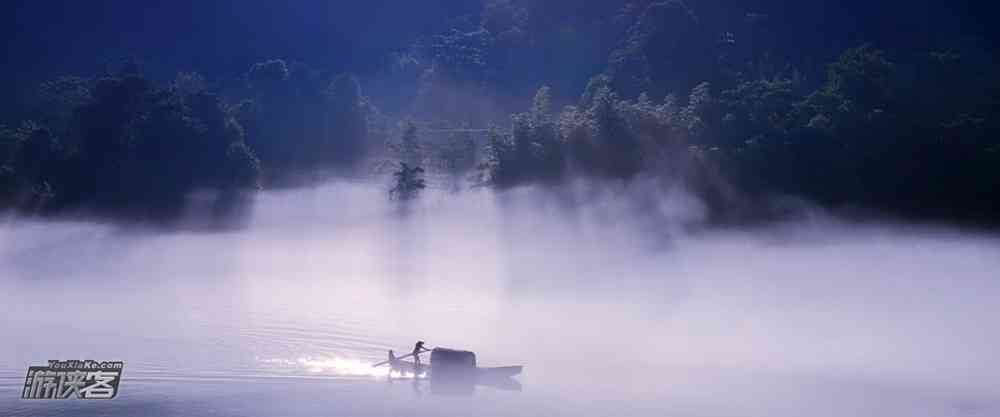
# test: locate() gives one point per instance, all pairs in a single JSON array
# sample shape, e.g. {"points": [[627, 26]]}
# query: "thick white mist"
{"points": [[610, 296]]}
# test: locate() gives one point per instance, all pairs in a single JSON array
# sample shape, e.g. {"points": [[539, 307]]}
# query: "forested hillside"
{"points": [[887, 106]]}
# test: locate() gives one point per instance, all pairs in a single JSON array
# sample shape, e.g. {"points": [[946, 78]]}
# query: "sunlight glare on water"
{"points": [[341, 366]]}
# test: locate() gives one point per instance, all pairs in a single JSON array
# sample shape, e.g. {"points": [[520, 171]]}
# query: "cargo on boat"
{"points": [[453, 364]]}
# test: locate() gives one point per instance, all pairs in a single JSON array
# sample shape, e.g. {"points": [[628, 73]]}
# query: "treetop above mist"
{"points": [[732, 102]]}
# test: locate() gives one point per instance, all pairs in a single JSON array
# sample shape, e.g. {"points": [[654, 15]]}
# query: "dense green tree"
{"points": [[701, 115], [614, 150], [409, 182], [56, 100], [533, 151], [456, 156], [666, 50], [27, 166], [297, 122], [272, 116], [242, 168], [759, 110], [132, 147], [500, 167], [537, 144], [410, 149]]}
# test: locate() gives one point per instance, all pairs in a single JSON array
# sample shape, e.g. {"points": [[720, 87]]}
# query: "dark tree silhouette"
{"points": [[409, 182]]}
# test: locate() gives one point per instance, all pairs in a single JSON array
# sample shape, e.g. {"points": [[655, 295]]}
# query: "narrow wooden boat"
{"points": [[483, 372], [454, 364], [499, 371]]}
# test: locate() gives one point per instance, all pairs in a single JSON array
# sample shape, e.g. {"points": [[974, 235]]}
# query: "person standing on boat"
{"points": [[417, 350]]}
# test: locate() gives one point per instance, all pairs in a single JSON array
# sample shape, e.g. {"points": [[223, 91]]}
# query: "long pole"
{"points": [[398, 357]]}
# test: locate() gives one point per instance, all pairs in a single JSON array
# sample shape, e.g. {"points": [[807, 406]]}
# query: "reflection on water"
{"points": [[612, 310]]}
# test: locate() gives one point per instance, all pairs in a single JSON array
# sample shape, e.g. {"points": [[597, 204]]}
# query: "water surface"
{"points": [[615, 307]]}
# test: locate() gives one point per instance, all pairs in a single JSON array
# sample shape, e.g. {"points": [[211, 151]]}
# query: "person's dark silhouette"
{"points": [[417, 350]]}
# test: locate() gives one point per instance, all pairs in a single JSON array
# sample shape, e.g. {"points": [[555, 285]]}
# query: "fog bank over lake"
{"points": [[619, 306]]}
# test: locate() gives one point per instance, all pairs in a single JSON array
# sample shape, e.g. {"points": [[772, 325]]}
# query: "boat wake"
{"points": [[334, 366]]}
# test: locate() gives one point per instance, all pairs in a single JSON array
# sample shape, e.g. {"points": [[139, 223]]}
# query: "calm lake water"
{"points": [[615, 308]]}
